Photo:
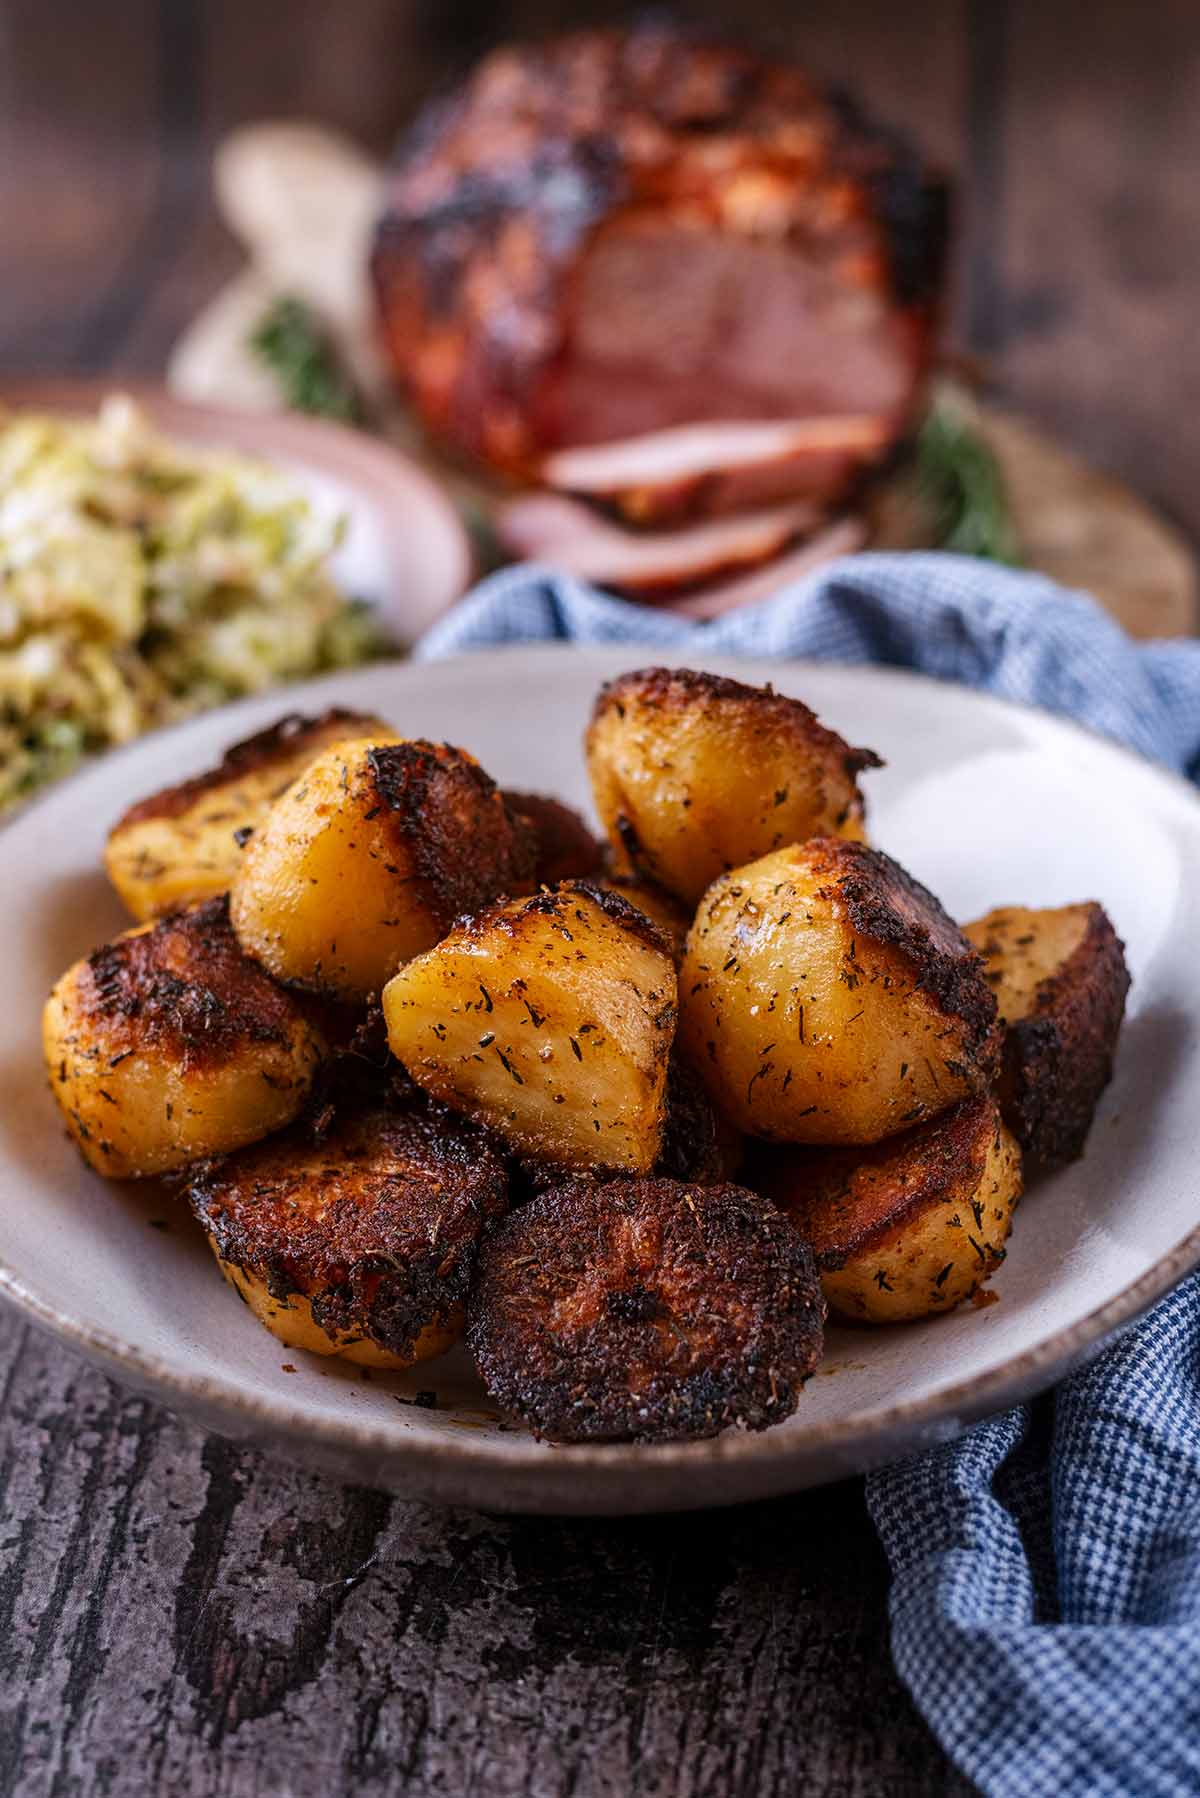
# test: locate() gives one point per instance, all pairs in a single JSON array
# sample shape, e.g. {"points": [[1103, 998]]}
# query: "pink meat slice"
{"points": [[548, 527]]}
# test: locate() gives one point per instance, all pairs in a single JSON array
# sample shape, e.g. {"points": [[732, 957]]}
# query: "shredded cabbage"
{"points": [[142, 579]]}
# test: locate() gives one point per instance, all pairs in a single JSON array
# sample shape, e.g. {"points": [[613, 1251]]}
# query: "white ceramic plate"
{"points": [[986, 802], [405, 549]]}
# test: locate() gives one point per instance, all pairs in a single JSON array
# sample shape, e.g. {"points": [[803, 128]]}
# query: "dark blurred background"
{"points": [[1074, 126]]}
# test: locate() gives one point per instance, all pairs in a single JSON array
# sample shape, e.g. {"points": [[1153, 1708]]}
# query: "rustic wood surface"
{"points": [[183, 1617]]}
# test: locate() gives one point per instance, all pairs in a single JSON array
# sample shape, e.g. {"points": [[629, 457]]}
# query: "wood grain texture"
{"points": [[177, 1615]]}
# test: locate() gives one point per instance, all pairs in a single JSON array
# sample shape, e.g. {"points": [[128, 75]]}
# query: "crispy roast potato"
{"points": [[826, 997], [1060, 981], [185, 843], [170, 1044], [549, 1018], [564, 847], [645, 1309], [360, 1243], [911, 1226], [694, 775], [698, 1144], [659, 906], [367, 861]]}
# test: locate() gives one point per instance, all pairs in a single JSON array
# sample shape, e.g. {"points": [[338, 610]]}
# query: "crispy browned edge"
{"points": [[575, 1385], [1058, 1059], [395, 1251], [816, 1187], [450, 818], [883, 903], [186, 987], [556, 902], [278, 743]]}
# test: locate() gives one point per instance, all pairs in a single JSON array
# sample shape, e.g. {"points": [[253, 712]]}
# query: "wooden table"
{"points": [[184, 1617]]}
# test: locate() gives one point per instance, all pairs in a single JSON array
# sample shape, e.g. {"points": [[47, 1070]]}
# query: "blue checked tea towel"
{"points": [[1045, 1602]]}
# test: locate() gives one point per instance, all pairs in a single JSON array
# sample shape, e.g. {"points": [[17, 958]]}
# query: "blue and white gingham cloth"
{"points": [[1046, 1567]]}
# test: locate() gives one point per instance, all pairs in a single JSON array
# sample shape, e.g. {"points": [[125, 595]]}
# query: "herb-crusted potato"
{"points": [[1060, 981], [910, 1226], [826, 997], [170, 1044], [694, 775], [549, 1018], [645, 1309], [659, 906], [360, 1243], [368, 859], [185, 843]]}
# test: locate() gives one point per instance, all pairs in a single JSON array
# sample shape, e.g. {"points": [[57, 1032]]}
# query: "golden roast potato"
{"points": [[659, 906], [1060, 981], [826, 997], [360, 1243], [170, 1044], [549, 1018], [694, 774], [563, 846], [367, 861], [185, 843], [910, 1226]]}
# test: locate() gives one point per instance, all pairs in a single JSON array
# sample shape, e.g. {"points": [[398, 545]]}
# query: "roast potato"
{"points": [[648, 1309], [170, 1044], [185, 843], [694, 775], [549, 1018], [659, 906], [564, 847], [1060, 981], [911, 1226], [367, 861], [826, 997], [360, 1243]]}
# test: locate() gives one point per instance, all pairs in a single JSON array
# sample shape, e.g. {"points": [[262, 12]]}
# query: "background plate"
{"points": [[987, 802]]}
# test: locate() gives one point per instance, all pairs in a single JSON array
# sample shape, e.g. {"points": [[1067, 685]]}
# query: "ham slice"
{"points": [[712, 469], [549, 528]]}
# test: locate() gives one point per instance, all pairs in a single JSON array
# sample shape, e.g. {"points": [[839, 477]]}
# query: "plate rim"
{"points": [[862, 1436]]}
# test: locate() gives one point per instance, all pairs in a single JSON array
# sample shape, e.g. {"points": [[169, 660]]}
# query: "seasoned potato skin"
{"points": [[661, 907], [184, 844], [694, 774], [911, 1226], [645, 1310], [563, 846], [360, 1242], [698, 1144], [826, 997], [169, 1044], [1060, 981], [550, 1019], [368, 859]]}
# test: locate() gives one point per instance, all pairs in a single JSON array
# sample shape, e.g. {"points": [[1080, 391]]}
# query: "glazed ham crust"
{"points": [[617, 233]]}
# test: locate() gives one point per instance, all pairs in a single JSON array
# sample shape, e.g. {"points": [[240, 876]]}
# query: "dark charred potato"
{"points": [[359, 1243], [368, 859], [1060, 981], [910, 1227], [185, 843], [645, 1309], [659, 906], [550, 1019], [170, 1044], [826, 997], [694, 775], [564, 847]]}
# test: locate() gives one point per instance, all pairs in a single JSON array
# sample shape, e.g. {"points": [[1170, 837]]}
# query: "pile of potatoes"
{"points": [[428, 1058]]}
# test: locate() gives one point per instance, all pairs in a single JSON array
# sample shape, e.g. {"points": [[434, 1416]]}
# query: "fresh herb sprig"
{"points": [[960, 481], [297, 349]]}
